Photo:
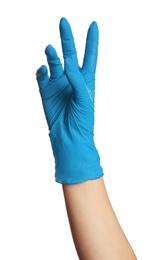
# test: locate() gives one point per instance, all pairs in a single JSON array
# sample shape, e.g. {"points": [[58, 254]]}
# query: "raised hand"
{"points": [[68, 101]]}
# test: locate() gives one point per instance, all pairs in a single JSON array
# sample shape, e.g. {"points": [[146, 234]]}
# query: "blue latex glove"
{"points": [[68, 101]]}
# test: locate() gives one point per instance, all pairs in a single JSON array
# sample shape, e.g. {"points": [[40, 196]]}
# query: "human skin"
{"points": [[96, 231]]}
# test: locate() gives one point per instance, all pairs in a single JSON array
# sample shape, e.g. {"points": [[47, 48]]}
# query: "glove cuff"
{"points": [[77, 162]]}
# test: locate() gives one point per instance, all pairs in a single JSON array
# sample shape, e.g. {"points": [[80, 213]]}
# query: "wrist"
{"points": [[75, 161]]}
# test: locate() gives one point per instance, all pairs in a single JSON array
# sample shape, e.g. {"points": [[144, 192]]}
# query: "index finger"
{"points": [[67, 40], [91, 49]]}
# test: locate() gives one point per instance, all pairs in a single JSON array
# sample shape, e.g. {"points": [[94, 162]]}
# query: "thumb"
{"points": [[75, 77]]}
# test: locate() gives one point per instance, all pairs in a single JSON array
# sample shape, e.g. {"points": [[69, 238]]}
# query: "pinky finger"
{"points": [[42, 76]]}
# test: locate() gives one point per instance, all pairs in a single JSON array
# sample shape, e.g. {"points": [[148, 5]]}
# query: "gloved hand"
{"points": [[68, 102]]}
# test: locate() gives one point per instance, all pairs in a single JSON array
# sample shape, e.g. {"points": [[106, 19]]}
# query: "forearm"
{"points": [[68, 102], [95, 229]]}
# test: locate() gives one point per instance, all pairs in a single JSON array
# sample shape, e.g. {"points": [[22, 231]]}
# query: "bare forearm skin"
{"points": [[96, 231]]}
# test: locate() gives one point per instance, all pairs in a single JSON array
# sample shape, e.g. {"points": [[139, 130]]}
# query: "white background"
{"points": [[33, 220]]}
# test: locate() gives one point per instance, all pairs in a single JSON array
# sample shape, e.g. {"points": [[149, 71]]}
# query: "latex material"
{"points": [[68, 102]]}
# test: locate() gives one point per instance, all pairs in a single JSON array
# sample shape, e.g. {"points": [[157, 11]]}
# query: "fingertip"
{"points": [[42, 76], [42, 71], [63, 20], [48, 48], [93, 30], [50, 51], [65, 28], [94, 25]]}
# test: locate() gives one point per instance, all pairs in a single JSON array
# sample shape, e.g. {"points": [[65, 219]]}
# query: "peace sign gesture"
{"points": [[68, 101]]}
